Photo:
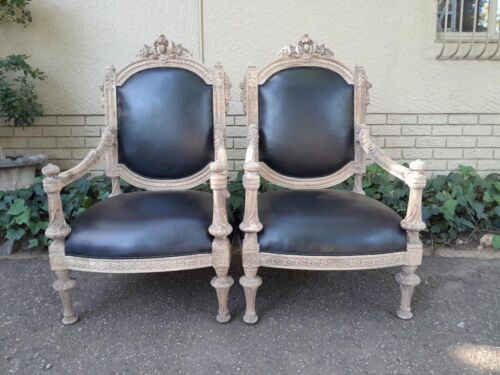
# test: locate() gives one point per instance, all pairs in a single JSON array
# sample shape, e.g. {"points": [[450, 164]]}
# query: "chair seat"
{"points": [[144, 225], [327, 222]]}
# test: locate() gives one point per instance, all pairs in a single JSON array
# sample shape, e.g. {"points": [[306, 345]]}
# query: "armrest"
{"points": [[380, 157], [414, 177], [251, 183], [51, 171], [54, 181]]}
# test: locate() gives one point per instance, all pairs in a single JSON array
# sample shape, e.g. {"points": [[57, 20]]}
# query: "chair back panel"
{"points": [[165, 123], [306, 122]]}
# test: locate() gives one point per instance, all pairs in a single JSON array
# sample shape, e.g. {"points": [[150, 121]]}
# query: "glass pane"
{"points": [[454, 14]]}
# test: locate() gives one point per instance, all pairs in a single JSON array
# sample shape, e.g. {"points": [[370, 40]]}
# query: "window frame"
{"points": [[491, 32]]}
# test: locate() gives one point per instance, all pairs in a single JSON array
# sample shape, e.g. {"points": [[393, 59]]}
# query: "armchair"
{"points": [[165, 133], [306, 117]]}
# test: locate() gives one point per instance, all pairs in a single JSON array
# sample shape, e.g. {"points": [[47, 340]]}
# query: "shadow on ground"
{"points": [[311, 322]]}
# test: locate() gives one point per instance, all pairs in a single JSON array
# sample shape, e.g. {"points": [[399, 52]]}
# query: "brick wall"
{"points": [[443, 140]]}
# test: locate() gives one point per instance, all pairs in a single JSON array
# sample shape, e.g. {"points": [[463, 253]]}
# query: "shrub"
{"points": [[461, 203], [15, 11], [18, 101]]}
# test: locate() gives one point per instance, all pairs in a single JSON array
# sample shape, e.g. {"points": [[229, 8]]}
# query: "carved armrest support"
{"points": [[416, 180], [251, 183], [220, 227], [58, 229]]}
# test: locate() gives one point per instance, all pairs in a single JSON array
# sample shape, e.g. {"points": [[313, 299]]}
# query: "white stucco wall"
{"points": [[73, 41]]}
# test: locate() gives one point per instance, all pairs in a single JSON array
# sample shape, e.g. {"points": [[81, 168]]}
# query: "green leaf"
{"points": [[23, 217], [449, 208], [17, 207], [496, 242], [14, 234], [33, 243]]}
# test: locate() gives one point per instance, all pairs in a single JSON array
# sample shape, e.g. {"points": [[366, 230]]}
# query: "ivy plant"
{"points": [[460, 204]]}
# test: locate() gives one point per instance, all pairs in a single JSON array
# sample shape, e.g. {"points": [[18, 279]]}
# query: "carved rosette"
{"points": [[305, 48], [163, 49]]}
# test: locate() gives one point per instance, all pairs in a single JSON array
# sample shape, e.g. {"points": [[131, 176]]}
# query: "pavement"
{"points": [[310, 322]]}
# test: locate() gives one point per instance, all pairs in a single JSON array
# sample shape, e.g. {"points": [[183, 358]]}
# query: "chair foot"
{"points": [[250, 318], [250, 285], [407, 280], [222, 285], [65, 285]]}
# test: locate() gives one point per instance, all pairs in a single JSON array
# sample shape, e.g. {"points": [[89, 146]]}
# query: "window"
{"points": [[468, 29]]}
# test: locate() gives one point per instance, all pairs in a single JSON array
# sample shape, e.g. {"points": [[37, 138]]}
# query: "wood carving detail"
{"points": [[331, 262], [305, 48], [163, 49], [139, 265]]}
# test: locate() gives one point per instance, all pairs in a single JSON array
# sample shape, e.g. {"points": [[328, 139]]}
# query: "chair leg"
{"points": [[250, 282], [222, 282], [407, 280], [64, 285]]}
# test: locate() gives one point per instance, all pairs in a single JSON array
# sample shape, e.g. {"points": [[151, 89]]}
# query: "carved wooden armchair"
{"points": [[165, 133], [306, 132]]}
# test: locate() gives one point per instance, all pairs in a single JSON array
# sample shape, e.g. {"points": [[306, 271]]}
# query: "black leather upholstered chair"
{"points": [[306, 132], [165, 131]]}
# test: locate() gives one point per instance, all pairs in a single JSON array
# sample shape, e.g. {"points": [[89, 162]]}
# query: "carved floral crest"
{"points": [[306, 48], [163, 49]]}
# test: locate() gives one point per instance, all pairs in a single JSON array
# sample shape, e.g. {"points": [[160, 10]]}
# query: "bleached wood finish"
{"points": [[162, 53], [307, 53]]}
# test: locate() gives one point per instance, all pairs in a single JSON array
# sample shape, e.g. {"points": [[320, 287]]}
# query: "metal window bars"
{"points": [[457, 44]]}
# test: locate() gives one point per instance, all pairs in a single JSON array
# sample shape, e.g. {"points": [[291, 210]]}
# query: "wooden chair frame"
{"points": [[163, 53], [306, 53]]}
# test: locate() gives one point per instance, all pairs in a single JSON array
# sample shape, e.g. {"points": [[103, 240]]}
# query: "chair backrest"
{"points": [[166, 108], [306, 122], [306, 107], [165, 123]]}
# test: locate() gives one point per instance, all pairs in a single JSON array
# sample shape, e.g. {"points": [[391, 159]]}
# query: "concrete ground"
{"points": [[311, 323]]}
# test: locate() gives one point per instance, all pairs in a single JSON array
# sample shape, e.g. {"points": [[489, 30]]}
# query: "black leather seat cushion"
{"points": [[144, 224], [306, 122], [165, 123], [327, 222]]}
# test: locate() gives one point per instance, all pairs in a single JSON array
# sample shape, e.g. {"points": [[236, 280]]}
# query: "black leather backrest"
{"points": [[165, 123], [306, 122]]}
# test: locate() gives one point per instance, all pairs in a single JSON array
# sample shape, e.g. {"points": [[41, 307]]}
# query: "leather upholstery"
{"points": [[306, 124], [327, 222], [144, 224], [165, 123]]}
